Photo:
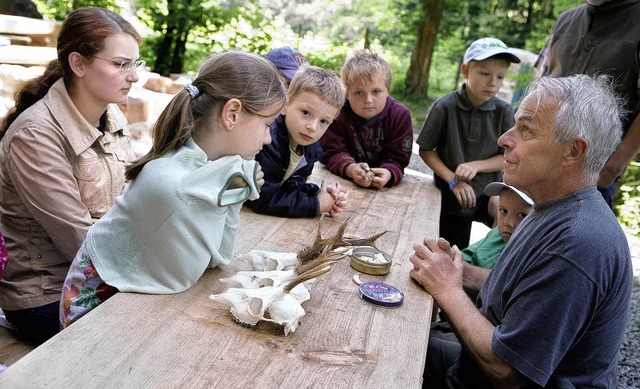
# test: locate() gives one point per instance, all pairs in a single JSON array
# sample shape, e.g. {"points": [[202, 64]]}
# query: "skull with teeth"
{"points": [[274, 290]]}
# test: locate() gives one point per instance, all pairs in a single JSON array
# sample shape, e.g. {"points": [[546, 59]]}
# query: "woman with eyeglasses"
{"points": [[62, 160]]}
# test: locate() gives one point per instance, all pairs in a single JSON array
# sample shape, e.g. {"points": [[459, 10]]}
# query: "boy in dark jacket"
{"points": [[315, 98]]}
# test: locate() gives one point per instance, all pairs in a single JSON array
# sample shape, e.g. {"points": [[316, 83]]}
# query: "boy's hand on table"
{"points": [[340, 198], [325, 199], [380, 177], [331, 198], [360, 173]]}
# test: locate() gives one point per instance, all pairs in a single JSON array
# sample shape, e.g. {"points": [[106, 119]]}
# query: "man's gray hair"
{"points": [[587, 108]]}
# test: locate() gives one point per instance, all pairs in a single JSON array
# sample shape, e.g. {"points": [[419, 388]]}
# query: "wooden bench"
{"points": [[33, 41], [34, 32], [11, 347]]}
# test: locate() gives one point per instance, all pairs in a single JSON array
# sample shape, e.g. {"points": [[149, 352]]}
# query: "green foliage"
{"points": [[186, 31], [627, 199], [331, 59], [59, 9], [183, 32], [417, 105]]}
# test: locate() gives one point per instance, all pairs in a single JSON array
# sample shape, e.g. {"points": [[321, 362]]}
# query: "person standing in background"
{"points": [[602, 37], [458, 139]]}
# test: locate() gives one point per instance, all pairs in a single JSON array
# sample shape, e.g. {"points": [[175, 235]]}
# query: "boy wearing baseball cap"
{"points": [[513, 206], [458, 140]]}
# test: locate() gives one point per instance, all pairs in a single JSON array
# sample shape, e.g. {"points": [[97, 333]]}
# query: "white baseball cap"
{"points": [[484, 48], [494, 189]]}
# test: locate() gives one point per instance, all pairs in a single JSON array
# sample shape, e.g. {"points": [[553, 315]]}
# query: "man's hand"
{"points": [[437, 267], [473, 277]]}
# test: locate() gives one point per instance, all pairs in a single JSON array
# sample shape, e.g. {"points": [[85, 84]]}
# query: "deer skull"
{"points": [[269, 260], [268, 303]]}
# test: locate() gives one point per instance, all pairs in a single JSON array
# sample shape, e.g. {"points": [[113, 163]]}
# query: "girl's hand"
{"points": [[239, 182]]}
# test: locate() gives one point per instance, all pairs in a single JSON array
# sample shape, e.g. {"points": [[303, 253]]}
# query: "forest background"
{"points": [[423, 41]]}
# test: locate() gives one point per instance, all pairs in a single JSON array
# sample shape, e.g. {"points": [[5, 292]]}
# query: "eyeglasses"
{"points": [[124, 66]]}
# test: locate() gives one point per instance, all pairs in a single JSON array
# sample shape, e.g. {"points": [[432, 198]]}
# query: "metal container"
{"points": [[370, 260]]}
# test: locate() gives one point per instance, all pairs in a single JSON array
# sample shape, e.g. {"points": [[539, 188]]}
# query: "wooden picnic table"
{"points": [[187, 340]]}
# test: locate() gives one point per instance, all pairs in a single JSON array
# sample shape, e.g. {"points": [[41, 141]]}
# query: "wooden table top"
{"points": [[187, 340]]}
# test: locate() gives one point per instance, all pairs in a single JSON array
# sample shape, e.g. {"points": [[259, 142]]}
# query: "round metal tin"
{"points": [[370, 260], [382, 294]]}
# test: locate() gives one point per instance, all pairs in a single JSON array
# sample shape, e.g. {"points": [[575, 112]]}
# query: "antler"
{"points": [[323, 258], [313, 273], [310, 252], [338, 240], [353, 241]]}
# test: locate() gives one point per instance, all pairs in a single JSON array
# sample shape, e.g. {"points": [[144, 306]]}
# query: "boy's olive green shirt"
{"points": [[58, 174], [460, 132]]}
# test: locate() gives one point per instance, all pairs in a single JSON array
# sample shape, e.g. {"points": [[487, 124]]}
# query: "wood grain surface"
{"points": [[187, 340]]}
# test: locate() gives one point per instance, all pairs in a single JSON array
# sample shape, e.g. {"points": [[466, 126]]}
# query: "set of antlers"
{"points": [[317, 259]]}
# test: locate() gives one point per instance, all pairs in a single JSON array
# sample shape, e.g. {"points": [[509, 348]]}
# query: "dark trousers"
{"points": [[441, 356], [38, 324], [441, 370], [457, 229]]}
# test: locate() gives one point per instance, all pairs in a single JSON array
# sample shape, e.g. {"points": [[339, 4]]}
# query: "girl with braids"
{"points": [[181, 211], [62, 162]]}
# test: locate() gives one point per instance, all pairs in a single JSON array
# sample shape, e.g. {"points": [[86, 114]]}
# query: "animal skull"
{"points": [[268, 303], [274, 290], [274, 296], [269, 260]]}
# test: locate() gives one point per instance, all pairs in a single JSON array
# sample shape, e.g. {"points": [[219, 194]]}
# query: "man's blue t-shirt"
{"points": [[559, 296]]}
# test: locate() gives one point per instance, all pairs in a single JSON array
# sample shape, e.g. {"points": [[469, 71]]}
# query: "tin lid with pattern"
{"points": [[382, 294]]}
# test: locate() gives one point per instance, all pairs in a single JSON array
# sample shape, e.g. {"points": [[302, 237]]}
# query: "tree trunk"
{"points": [[178, 53], [418, 74], [367, 44], [163, 51], [167, 43]]}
